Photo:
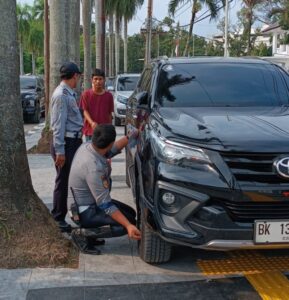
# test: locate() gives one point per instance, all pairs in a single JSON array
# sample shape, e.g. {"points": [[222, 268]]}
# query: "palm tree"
{"points": [[23, 18], [248, 12], [58, 41], [129, 9], [109, 11], [196, 7], [100, 34], [281, 10], [86, 20], [38, 10], [35, 41]]}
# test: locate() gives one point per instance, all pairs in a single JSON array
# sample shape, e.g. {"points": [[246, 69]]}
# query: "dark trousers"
{"points": [[94, 217], [60, 193]]}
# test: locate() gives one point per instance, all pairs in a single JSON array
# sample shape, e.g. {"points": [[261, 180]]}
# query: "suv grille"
{"points": [[254, 168], [250, 211]]}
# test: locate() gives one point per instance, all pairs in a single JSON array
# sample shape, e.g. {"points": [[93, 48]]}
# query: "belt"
{"points": [[75, 135]]}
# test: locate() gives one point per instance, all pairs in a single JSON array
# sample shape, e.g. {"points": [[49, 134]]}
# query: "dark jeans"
{"points": [[60, 193], [94, 217]]}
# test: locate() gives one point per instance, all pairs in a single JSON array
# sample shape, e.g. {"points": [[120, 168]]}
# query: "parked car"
{"points": [[109, 83], [210, 168], [32, 97], [123, 88]]}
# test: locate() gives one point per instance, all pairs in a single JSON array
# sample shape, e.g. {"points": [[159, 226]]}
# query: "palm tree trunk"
{"points": [[125, 46], [191, 28], [46, 59], [86, 19], [73, 30], [33, 63], [100, 34], [21, 59], [15, 181], [110, 45], [117, 31], [249, 18], [58, 41]]}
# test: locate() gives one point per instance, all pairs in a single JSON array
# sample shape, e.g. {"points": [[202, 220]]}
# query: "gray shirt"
{"points": [[90, 179], [65, 115]]}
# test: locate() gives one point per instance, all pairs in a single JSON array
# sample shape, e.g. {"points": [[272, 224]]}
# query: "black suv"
{"points": [[210, 168], [32, 97]]}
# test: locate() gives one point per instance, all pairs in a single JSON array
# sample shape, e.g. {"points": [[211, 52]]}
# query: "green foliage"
{"points": [[136, 53]]}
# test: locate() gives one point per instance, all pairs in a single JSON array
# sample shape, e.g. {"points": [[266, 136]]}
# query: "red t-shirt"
{"points": [[99, 107]]}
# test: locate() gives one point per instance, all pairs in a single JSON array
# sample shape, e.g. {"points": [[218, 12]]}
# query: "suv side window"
{"points": [[145, 82]]}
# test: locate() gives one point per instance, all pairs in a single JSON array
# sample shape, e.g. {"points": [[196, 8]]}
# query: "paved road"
{"points": [[32, 128], [120, 274]]}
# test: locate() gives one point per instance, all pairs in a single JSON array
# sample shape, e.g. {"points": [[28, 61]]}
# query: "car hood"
{"points": [[262, 129]]}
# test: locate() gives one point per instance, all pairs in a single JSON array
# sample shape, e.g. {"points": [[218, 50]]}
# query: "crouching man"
{"points": [[89, 184]]}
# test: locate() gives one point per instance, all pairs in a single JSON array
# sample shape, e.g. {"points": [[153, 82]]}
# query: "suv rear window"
{"points": [[219, 85], [127, 83], [27, 83]]}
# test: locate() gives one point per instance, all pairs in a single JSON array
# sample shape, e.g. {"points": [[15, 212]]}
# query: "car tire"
{"points": [[117, 121], [36, 117], [152, 248], [126, 169]]}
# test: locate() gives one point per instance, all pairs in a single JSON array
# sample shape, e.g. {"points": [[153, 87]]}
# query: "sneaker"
{"points": [[63, 226]]}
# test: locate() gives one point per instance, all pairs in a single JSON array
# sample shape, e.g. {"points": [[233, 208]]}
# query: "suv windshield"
{"points": [[27, 83], [127, 83], [219, 85]]}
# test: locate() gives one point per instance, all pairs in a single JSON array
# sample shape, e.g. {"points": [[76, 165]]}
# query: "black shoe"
{"points": [[63, 226], [82, 244], [95, 242]]}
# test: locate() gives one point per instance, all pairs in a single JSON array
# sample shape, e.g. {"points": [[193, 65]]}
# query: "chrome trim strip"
{"points": [[241, 244]]}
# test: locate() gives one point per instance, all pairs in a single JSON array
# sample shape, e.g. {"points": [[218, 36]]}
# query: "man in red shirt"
{"points": [[97, 104]]}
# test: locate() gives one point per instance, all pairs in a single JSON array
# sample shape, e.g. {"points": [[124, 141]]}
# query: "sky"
{"points": [[160, 11]]}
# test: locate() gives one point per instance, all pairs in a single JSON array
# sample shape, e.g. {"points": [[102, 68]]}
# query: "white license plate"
{"points": [[267, 232]]}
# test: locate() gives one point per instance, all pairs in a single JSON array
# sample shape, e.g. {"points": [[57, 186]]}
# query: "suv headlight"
{"points": [[176, 153], [121, 99]]}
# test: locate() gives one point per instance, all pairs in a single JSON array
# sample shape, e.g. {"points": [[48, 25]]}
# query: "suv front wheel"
{"points": [[152, 248]]}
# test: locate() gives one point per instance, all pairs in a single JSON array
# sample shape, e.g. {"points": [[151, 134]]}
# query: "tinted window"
{"points": [[127, 83], [27, 83], [226, 84]]}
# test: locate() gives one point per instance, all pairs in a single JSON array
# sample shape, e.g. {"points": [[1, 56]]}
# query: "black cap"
{"points": [[69, 68]]}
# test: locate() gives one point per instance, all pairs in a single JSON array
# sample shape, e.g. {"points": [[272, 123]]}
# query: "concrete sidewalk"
{"points": [[119, 263]]}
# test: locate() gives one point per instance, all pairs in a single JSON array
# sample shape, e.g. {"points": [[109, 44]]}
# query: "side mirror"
{"points": [[142, 99]]}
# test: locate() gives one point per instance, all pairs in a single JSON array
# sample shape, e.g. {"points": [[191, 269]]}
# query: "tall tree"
{"points": [[100, 33], [58, 41], [24, 220], [248, 14], [278, 9], [23, 18], [35, 41], [109, 11], [86, 20], [196, 7]]}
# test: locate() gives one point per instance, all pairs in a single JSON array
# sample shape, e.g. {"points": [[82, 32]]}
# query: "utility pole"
{"points": [[149, 32], [226, 53]]}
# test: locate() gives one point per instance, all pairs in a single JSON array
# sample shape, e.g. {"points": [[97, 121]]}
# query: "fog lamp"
{"points": [[168, 198]]}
